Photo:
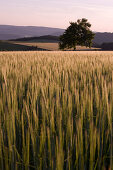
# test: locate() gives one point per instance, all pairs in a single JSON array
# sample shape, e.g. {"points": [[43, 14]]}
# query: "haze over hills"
{"points": [[103, 37], [14, 32]]}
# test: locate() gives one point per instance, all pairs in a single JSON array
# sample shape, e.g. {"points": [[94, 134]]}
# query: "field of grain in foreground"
{"points": [[56, 110]]}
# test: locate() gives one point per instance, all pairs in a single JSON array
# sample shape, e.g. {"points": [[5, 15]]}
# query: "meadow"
{"points": [[53, 46], [36, 46], [56, 110]]}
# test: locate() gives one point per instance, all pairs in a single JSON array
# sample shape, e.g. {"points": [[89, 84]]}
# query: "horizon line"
{"points": [[48, 27]]}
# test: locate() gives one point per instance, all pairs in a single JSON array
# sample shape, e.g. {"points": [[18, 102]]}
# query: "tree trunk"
{"points": [[74, 48]]}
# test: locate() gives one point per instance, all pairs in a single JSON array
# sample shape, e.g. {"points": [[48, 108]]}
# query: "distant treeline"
{"points": [[107, 46], [41, 38], [104, 46]]}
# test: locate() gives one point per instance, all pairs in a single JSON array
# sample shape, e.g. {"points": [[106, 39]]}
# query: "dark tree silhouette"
{"points": [[78, 33]]}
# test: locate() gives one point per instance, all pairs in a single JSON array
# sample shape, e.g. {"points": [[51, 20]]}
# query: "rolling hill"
{"points": [[9, 46], [16, 32], [104, 37]]}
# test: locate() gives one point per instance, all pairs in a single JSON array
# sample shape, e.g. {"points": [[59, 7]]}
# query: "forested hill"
{"points": [[46, 38]]}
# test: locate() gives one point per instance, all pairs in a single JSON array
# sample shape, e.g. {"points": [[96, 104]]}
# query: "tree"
{"points": [[78, 33]]}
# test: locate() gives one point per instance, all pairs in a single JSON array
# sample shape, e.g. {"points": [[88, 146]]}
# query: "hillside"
{"points": [[14, 32], [10, 46], [46, 38], [103, 37]]}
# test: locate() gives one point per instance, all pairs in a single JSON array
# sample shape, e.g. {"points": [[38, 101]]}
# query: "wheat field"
{"points": [[56, 110]]}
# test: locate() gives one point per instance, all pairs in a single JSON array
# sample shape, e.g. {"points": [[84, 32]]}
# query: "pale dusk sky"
{"points": [[57, 13]]}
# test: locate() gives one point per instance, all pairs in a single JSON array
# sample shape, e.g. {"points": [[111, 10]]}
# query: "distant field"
{"points": [[47, 46], [52, 46], [35, 46], [56, 110], [9, 46]]}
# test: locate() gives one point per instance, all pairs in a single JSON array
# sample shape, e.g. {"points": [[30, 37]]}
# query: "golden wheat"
{"points": [[56, 110]]}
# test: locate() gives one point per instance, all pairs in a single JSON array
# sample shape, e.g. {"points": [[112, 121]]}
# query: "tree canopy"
{"points": [[78, 33]]}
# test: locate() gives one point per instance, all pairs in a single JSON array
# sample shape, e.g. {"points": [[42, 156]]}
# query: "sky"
{"points": [[57, 13]]}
